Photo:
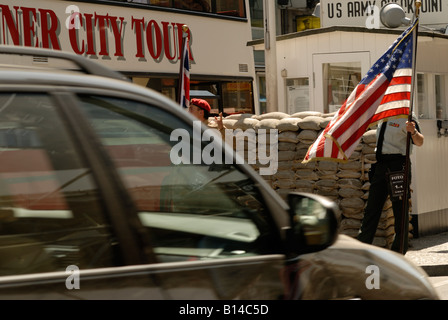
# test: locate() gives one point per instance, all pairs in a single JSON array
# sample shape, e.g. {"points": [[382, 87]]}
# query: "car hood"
{"points": [[354, 270]]}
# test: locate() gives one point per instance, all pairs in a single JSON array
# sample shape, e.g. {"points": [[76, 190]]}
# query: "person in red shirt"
{"points": [[200, 108]]}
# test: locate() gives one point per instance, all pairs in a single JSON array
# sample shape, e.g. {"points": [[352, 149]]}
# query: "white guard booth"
{"points": [[318, 68]]}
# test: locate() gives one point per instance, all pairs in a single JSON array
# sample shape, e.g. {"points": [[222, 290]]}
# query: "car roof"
{"points": [[31, 57], [66, 79]]}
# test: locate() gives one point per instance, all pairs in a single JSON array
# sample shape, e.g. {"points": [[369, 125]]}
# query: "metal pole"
{"points": [[270, 54], [405, 208]]}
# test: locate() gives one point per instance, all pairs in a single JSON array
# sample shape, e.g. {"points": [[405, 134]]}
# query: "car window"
{"points": [[50, 213], [193, 211]]}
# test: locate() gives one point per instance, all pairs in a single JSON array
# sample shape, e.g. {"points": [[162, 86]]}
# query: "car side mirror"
{"points": [[314, 225]]}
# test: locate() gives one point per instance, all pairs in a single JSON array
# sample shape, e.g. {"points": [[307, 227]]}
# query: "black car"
{"points": [[93, 207]]}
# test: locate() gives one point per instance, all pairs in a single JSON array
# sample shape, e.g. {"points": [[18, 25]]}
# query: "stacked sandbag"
{"points": [[345, 183], [354, 192], [284, 180]]}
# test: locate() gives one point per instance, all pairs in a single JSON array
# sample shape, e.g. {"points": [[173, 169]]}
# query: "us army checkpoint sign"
{"points": [[433, 13]]}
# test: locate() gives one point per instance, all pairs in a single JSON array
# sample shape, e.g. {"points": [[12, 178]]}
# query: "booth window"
{"points": [[339, 81], [441, 108], [234, 8], [261, 80], [298, 97], [422, 96]]}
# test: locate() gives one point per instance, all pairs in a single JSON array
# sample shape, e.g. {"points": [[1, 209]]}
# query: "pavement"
{"points": [[431, 253]]}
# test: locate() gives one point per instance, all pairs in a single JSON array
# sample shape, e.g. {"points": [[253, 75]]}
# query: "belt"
{"points": [[392, 157]]}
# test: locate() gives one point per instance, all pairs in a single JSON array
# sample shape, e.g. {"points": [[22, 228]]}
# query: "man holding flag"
{"points": [[383, 95], [391, 157]]}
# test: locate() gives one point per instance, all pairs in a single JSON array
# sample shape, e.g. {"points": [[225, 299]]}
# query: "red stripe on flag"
{"points": [[401, 80], [334, 150], [186, 87], [390, 113], [320, 147], [397, 96]]}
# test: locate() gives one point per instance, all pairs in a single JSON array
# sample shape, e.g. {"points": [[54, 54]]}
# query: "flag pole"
{"points": [[406, 182], [181, 64]]}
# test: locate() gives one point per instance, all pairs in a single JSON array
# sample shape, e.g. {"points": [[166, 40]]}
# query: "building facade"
{"points": [[142, 39]]}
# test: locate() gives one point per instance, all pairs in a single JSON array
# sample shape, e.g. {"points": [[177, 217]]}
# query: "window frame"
{"points": [[275, 206], [269, 204], [319, 60]]}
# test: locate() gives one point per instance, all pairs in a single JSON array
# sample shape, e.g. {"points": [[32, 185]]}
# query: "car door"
{"points": [[55, 212], [87, 221], [211, 231]]}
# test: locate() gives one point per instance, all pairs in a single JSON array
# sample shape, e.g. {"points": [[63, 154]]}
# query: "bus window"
{"points": [[234, 8], [194, 5]]}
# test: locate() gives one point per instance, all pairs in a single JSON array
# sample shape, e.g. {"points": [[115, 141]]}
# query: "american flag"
{"points": [[184, 77], [384, 92]]}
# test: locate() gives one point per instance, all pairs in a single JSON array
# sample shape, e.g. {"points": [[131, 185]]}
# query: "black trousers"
{"points": [[377, 197]]}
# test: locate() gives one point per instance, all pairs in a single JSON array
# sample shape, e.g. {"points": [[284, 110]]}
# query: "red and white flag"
{"points": [[184, 77], [384, 92]]}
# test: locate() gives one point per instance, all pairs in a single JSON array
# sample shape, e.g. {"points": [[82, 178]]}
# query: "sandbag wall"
{"points": [[345, 183]]}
